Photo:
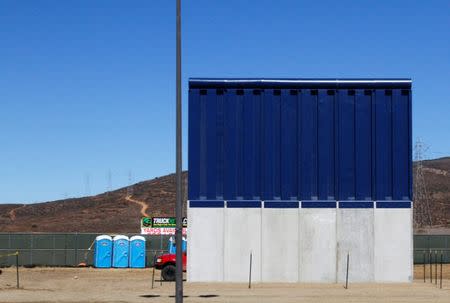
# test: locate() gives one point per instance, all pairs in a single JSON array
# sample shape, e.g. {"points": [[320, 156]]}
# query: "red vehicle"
{"points": [[166, 263]]}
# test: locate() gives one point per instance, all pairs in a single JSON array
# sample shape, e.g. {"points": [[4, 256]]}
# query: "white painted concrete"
{"points": [[317, 245], [393, 245], [304, 245], [355, 235], [242, 236], [280, 245], [205, 244]]}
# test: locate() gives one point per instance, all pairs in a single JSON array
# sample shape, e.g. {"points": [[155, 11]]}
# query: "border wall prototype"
{"points": [[299, 173]]}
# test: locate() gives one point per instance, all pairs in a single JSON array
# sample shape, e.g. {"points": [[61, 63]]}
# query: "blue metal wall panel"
{"points": [[346, 145], [308, 145], [289, 138], [203, 144], [251, 128], [326, 145], [209, 101], [194, 144], [231, 150], [400, 148], [383, 144], [220, 133], [272, 145], [363, 144], [253, 142]]}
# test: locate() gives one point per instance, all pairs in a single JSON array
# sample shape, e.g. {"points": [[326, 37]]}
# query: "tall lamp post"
{"points": [[179, 197]]}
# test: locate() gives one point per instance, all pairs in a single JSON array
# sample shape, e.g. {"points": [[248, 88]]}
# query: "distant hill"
{"points": [[119, 211], [437, 180]]}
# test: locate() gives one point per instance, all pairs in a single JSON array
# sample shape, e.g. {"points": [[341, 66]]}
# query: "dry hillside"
{"points": [[117, 211], [112, 212]]}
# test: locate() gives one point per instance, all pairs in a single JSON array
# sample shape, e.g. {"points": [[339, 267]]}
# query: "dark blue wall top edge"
{"points": [[281, 204], [316, 204], [295, 204], [207, 203], [243, 204], [394, 204], [356, 204], [298, 83]]}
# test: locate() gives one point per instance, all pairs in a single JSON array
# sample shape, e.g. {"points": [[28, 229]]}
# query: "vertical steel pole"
{"points": [[346, 275], [441, 269], [435, 267], [179, 200], [250, 272], [431, 266], [17, 268], [424, 267], [153, 274]]}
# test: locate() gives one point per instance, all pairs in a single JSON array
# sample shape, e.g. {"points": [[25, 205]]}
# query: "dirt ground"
{"points": [[78, 285]]}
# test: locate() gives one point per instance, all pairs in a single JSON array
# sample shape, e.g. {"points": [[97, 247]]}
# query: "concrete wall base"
{"points": [[317, 239], [280, 245], [393, 245], [355, 236], [299, 244], [242, 237], [205, 244]]}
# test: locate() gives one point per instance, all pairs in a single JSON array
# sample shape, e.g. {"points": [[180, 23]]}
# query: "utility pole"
{"points": [[179, 194]]}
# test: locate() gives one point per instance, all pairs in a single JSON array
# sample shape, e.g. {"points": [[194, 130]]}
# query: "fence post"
{"points": [[76, 250], [431, 265], [424, 266], [160, 272], [435, 266], [31, 250], [153, 275], [442, 254], [17, 268], [54, 252], [65, 249]]}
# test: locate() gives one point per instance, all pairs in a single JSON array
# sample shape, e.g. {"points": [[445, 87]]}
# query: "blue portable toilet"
{"points": [[121, 246], [137, 252], [172, 248], [103, 251]]}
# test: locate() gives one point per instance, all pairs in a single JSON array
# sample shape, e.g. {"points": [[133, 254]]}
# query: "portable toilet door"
{"points": [[184, 245], [103, 251], [137, 252], [172, 248], [120, 251]]}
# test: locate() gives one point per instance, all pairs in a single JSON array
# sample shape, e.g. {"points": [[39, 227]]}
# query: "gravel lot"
{"points": [[127, 285]]}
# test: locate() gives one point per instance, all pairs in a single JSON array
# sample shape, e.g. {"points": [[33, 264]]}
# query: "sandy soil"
{"points": [[126, 285]]}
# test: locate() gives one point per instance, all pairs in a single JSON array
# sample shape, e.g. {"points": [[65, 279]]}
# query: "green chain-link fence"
{"points": [[60, 249], [71, 249], [431, 246]]}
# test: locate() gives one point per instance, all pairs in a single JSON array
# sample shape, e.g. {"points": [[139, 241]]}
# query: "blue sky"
{"points": [[87, 87]]}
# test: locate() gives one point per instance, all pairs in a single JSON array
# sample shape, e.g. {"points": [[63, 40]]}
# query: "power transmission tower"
{"points": [[109, 184], [422, 212], [130, 184], [87, 184]]}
